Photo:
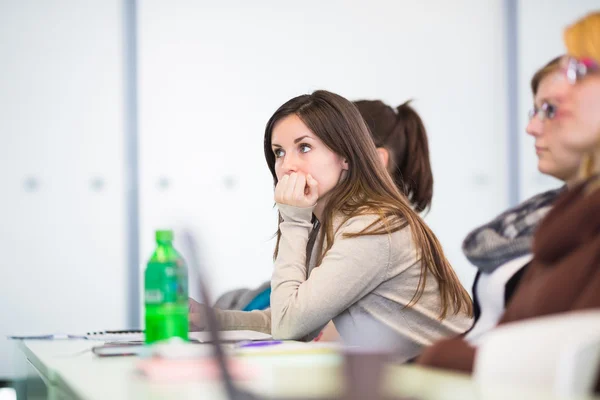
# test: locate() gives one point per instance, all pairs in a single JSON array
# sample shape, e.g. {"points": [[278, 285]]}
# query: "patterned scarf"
{"points": [[509, 235]]}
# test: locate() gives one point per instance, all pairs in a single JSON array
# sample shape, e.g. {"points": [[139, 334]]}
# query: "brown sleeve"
{"points": [[454, 354], [588, 297]]}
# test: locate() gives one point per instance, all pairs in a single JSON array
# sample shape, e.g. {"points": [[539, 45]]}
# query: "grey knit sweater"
{"points": [[363, 284]]}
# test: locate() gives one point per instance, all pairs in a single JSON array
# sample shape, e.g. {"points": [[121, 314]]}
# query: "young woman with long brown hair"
{"points": [[350, 248], [402, 145]]}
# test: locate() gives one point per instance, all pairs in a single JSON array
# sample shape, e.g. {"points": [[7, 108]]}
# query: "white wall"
{"points": [[540, 26], [211, 74], [61, 169]]}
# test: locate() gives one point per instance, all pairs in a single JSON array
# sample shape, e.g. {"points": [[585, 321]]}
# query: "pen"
{"points": [[262, 343]]}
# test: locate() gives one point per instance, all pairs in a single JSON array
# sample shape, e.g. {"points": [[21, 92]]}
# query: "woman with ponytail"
{"points": [[401, 140], [402, 145]]}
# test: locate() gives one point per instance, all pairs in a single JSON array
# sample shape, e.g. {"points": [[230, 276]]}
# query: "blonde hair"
{"points": [[582, 40]]}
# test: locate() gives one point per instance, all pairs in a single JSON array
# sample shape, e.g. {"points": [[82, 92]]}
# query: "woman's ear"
{"points": [[345, 165], [384, 156]]}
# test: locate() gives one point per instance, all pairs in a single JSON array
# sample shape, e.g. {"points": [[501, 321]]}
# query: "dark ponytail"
{"points": [[403, 135]]}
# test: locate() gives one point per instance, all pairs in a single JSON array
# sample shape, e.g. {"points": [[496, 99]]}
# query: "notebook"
{"points": [[138, 336], [100, 335], [200, 337]]}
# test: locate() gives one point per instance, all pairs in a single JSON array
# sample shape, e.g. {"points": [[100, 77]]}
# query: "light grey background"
{"points": [[206, 78]]}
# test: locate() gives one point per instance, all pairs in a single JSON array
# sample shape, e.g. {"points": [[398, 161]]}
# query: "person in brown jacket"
{"points": [[564, 274]]}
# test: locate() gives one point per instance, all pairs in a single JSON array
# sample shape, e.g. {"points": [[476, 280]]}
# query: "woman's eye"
{"points": [[278, 153], [550, 110], [304, 148]]}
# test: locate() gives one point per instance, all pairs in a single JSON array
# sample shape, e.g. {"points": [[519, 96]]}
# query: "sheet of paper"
{"points": [[230, 336]]}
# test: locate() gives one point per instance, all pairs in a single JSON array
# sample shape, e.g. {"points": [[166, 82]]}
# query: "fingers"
{"points": [[289, 194], [312, 194], [298, 195], [196, 322], [281, 188], [297, 189], [193, 305], [197, 318]]}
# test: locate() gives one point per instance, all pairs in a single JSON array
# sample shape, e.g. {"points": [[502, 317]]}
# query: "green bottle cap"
{"points": [[164, 236]]}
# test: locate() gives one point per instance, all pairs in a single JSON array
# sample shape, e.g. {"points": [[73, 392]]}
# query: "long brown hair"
{"points": [[367, 189], [402, 133]]}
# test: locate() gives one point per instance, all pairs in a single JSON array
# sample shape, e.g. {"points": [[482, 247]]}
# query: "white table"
{"points": [[71, 371]]}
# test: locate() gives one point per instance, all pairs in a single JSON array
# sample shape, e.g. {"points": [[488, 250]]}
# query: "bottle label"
{"points": [[154, 296]]}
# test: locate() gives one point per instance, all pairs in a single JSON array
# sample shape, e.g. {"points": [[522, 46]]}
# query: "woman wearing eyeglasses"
{"points": [[564, 274], [550, 86], [501, 249]]}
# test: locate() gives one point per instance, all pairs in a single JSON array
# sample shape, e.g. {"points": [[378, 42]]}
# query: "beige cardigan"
{"points": [[363, 284]]}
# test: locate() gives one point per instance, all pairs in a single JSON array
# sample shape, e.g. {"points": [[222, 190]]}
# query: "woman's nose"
{"points": [[535, 126], [290, 164]]}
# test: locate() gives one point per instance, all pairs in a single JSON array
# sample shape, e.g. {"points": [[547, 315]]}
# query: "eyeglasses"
{"points": [[576, 69], [547, 110]]}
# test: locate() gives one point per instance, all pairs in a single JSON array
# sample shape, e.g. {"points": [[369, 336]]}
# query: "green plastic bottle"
{"points": [[166, 292]]}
